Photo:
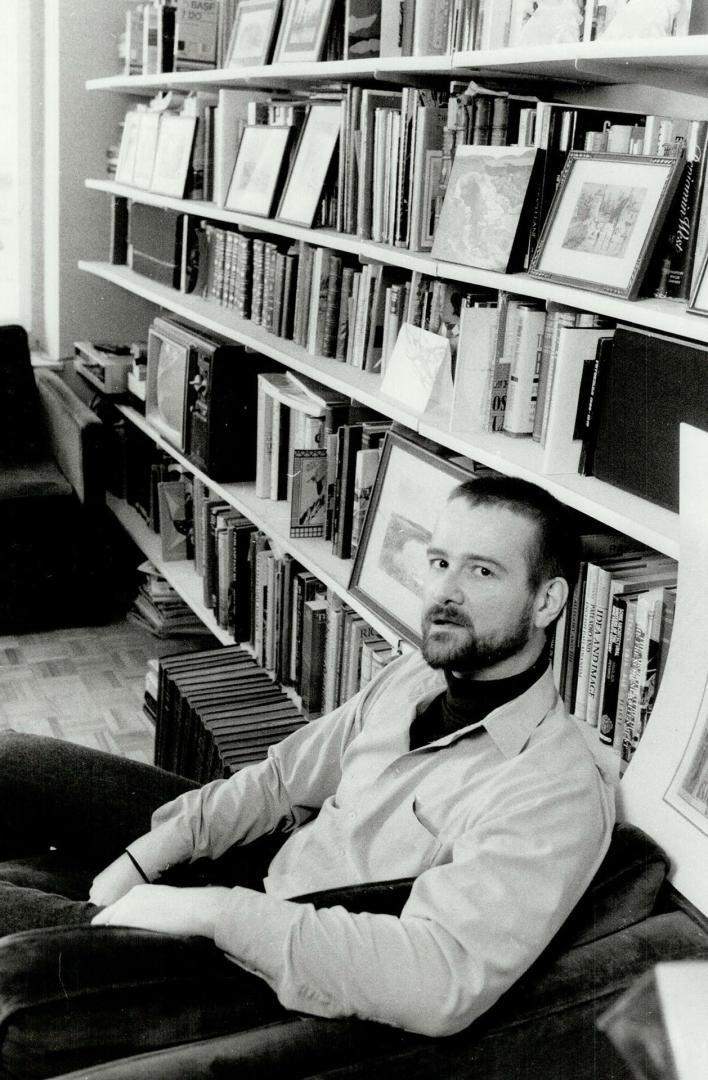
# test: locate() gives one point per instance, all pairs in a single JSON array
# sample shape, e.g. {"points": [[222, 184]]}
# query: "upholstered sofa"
{"points": [[67, 1001], [55, 558]]}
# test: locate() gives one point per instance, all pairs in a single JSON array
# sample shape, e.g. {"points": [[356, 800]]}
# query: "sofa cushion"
{"points": [[31, 480], [21, 429]]}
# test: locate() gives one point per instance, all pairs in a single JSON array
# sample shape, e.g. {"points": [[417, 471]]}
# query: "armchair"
{"points": [[67, 1001], [52, 460]]}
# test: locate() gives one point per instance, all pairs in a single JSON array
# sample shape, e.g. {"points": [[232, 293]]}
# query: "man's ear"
{"points": [[551, 598]]}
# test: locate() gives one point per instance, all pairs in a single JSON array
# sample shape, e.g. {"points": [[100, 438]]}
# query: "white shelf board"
{"points": [[274, 519], [181, 574]]}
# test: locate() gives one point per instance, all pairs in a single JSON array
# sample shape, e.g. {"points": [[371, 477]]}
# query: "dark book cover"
{"points": [[362, 29], [314, 624], [350, 436], [155, 243], [654, 383]]}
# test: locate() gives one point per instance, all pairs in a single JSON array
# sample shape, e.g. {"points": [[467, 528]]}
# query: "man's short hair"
{"points": [[557, 549]]}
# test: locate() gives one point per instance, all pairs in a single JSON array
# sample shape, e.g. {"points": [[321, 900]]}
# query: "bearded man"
{"points": [[458, 766]]}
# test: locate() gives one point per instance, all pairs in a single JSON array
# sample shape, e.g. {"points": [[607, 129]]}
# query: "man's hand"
{"points": [[167, 909], [115, 881]]}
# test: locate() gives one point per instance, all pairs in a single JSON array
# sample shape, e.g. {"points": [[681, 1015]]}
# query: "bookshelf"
{"points": [[657, 72]]}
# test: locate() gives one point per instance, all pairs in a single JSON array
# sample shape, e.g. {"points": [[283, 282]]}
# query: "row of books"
{"points": [[217, 711], [495, 24], [176, 35], [406, 158], [166, 35], [272, 602], [612, 642]]}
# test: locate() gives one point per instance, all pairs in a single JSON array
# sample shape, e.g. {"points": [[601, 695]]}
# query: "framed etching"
{"points": [[487, 199], [604, 220], [258, 171], [303, 30], [411, 488], [252, 33], [313, 158], [173, 154], [145, 148]]}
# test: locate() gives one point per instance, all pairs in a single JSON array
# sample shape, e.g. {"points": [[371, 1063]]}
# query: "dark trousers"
{"points": [[65, 813]]}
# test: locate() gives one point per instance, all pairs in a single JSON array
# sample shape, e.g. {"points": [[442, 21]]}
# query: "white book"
{"points": [[525, 360], [474, 368], [576, 347], [431, 27], [268, 385]]}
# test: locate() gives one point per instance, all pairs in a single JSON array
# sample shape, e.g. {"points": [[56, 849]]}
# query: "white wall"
{"points": [[81, 42]]}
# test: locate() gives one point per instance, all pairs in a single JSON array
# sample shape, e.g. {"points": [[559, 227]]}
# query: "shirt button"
{"points": [[340, 851], [352, 815]]}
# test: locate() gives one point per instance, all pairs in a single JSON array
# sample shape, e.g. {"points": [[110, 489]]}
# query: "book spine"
{"points": [[615, 642]]}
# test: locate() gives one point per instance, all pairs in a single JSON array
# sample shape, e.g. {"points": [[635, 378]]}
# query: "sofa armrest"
{"points": [[76, 436]]}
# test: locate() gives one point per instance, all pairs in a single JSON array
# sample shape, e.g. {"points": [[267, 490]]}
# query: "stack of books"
{"points": [[160, 609], [218, 711]]}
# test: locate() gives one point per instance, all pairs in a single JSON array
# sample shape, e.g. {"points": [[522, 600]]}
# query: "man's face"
{"points": [[478, 606]]}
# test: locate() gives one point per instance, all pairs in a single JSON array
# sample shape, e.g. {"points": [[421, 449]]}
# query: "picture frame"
{"points": [[257, 178], [698, 300], [253, 33], [173, 154], [302, 31], [411, 488], [487, 204], [604, 220], [311, 164]]}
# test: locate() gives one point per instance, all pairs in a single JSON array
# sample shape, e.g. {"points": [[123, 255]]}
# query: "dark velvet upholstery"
{"points": [[52, 524], [69, 997]]}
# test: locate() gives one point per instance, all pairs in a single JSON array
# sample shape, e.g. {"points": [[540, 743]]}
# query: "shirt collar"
{"points": [[510, 725]]}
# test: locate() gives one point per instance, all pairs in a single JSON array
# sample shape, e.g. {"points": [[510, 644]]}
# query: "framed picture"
{"points": [[125, 166], [173, 154], [303, 30], [604, 220], [698, 302], [146, 145], [487, 198], [431, 184], [313, 158], [256, 180], [252, 33], [411, 488]]}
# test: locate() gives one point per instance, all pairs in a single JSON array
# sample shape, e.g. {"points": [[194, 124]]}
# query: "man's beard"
{"points": [[465, 651]]}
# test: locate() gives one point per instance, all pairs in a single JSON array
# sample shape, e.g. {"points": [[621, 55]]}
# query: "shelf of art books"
{"points": [[667, 316], [593, 61], [273, 517], [652, 525]]}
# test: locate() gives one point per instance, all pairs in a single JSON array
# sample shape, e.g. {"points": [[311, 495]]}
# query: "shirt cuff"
{"points": [[253, 928], [159, 849]]}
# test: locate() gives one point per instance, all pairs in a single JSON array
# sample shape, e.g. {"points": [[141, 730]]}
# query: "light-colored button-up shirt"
{"points": [[503, 823]]}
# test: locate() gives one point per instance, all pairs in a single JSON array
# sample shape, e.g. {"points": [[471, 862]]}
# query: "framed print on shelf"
{"points": [[604, 220], [411, 488], [487, 203], [173, 154], [313, 158], [303, 30], [257, 176], [252, 33]]}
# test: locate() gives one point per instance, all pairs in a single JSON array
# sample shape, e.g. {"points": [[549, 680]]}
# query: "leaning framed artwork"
{"points": [[604, 220], [303, 30], [252, 33], [313, 158], [412, 485], [258, 172], [173, 154]]}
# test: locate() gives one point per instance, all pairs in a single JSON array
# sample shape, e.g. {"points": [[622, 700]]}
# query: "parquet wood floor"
{"points": [[83, 685]]}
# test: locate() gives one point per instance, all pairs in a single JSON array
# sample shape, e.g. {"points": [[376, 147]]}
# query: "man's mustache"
{"points": [[446, 613]]}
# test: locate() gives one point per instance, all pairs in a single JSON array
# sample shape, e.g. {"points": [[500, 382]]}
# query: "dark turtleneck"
{"points": [[468, 701]]}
